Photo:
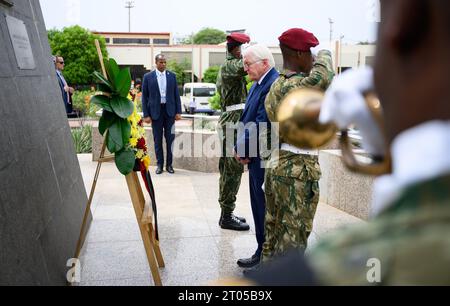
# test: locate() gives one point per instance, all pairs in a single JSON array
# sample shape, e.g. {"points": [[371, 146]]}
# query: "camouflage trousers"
{"points": [[230, 169], [292, 196]]}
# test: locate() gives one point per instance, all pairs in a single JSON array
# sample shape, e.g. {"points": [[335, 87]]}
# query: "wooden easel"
{"points": [[142, 208]]}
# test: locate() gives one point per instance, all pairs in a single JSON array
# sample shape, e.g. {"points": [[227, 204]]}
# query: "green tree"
{"points": [[77, 46], [209, 36], [214, 102], [180, 69], [210, 75]]}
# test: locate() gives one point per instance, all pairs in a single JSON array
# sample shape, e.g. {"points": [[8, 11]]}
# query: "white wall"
{"points": [[351, 55]]}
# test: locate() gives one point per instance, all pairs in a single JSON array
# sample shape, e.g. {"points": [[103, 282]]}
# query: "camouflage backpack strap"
{"points": [[289, 74]]}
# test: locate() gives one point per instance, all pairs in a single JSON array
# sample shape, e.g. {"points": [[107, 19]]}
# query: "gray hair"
{"points": [[260, 52]]}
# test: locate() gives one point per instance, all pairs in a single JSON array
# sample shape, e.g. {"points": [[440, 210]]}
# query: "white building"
{"points": [[138, 50]]}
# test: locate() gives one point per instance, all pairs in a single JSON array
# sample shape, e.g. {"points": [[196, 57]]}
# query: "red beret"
{"points": [[298, 39], [238, 38]]}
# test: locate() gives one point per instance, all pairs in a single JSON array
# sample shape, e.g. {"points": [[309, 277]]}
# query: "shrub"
{"points": [[82, 139]]}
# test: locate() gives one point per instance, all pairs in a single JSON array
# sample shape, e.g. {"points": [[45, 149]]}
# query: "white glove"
{"points": [[322, 47], [344, 104]]}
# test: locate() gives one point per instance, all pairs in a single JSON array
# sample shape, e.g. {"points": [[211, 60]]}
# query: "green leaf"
{"points": [[119, 135], [103, 102], [102, 79], [112, 69], [104, 88], [122, 106], [125, 160], [123, 82], [114, 142], [126, 131], [106, 121]]}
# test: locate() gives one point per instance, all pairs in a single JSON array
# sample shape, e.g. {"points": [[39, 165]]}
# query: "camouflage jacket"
{"points": [[408, 243], [320, 78], [231, 83]]}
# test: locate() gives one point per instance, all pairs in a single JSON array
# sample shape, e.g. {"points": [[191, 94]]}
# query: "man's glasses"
{"points": [[61, 63], [246, 66]]}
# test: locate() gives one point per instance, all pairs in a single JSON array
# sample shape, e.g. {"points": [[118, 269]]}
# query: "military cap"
{"points": [[298, 39], [238, 38]]}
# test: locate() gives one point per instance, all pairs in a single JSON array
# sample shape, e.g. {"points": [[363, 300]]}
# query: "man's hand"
{"points": [[241, 160], [178, 117], [69, 89], [148, 120]]}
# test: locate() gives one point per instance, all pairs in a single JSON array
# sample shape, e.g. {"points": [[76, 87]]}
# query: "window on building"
{"points": [[370, 60], [217, 58], [108, 40], [179, 57], [161, 41], [137, 41]]}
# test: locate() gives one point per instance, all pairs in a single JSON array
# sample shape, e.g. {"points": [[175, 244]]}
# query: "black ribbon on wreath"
{"points": [[151, 191]]}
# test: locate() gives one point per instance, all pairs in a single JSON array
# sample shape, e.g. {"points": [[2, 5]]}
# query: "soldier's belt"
{"points": [[298, 151], [235, 107]]}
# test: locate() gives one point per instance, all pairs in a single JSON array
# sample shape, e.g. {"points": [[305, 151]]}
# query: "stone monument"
{"points": [[42, 195]]}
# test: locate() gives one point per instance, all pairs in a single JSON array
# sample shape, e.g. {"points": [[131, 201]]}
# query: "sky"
{"points": [[264, 20]]}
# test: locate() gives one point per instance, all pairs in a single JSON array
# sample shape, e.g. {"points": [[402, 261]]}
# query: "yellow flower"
{"points": [[146, 161], [140, 154], [135, 133], [133, 142]]}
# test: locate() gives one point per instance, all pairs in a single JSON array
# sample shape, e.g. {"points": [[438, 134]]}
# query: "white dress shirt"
{"points": [[418, 154], [264, 76], [162, 83]]}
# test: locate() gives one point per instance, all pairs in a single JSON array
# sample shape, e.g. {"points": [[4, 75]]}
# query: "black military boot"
{"points": [[242, 219], [230, 222]]}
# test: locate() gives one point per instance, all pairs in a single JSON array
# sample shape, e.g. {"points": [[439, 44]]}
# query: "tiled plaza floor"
{"points": [[196, 251]]}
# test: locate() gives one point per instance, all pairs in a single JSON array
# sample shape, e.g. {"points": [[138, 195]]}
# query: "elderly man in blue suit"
{"points": [[259, 64], [161, 104]]}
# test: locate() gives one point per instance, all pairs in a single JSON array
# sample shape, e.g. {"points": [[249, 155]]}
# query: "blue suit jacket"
{"points": [[254, 114], [151, 96]]}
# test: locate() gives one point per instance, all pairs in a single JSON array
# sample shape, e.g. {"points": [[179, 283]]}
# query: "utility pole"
{"points": [[129, 5], [340, 53], [331, 29]]}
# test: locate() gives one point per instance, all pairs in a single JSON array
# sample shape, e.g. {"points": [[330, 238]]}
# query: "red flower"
{"points": [[141, 144], [141, 123]]}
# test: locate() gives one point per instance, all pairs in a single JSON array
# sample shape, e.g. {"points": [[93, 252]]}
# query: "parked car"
{"points": [[195, 97]]}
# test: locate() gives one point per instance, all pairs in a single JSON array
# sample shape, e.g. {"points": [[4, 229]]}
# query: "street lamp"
{"points": [[331, 29], [340, 53], [129, 5]]}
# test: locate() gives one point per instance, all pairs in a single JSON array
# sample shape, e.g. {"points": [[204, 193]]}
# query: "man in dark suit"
{"points": [[161, 104], [259, 65], [66, 91]]}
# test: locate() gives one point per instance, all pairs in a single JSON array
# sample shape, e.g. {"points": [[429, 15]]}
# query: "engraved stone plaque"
{"points": [[21, 43]]}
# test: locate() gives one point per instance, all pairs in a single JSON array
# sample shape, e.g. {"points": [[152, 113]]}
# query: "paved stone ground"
{"points": [[195, 249]]}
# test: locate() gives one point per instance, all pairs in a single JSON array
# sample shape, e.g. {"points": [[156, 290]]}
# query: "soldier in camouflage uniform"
{"points": [[231, 85], [408, 240], [292, 176]]}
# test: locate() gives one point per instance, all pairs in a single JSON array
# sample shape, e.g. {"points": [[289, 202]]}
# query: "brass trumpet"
{"points": [[298, 117]]}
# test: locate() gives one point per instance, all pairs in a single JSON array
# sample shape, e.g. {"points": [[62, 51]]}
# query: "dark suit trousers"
{"points": [[258, 201], [163, 126]]}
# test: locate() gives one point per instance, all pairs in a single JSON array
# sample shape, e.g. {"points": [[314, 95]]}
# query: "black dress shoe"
{"points": [[249, 262], [159, 170], [230, 222], [170, 169]]}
